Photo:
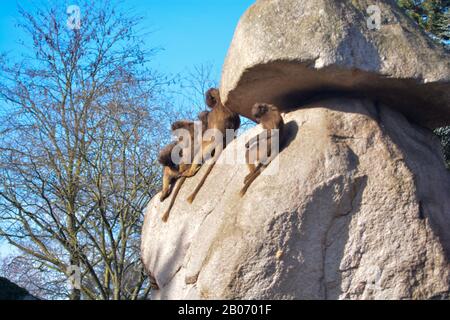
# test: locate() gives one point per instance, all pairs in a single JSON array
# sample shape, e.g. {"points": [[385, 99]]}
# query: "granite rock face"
{"points": [[289, 51], [357, 204], [357, 207]]}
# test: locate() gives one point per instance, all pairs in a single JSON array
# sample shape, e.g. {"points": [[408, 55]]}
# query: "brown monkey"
{"points": [[220, 118], [174, 172], [171, 171], [261, 145], [203, 117]]}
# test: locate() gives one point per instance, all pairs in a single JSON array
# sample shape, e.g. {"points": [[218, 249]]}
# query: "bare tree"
{"points": [[196, 82], [28, 272], [78, 142], [193, 85]]}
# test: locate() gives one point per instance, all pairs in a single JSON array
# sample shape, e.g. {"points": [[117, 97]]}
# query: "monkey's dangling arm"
{"points": [[260, 138], [252, 177], [198, 160], [192, 197], [217, 153], [265, 157], [168, 177], [174, 197]]}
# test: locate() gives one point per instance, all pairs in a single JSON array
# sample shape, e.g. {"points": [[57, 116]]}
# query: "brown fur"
{"points": [[270, 118], [172, 172], [203, 117], [220, 118]]}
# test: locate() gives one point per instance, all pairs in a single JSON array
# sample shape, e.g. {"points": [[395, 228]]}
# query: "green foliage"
{"points": [[434, 17], [444, 134], [431, 15]]}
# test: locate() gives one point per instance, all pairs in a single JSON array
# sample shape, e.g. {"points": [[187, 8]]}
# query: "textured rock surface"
{"points": [[360, 209], [285, 51]]}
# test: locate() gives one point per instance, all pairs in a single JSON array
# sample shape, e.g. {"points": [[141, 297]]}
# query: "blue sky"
{"points": [[190, 32]]}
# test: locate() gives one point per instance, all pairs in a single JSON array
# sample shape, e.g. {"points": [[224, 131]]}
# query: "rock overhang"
{"points": [[287, 52]]}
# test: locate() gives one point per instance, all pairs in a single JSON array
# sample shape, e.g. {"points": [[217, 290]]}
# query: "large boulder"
{"points": [[359, 208], [288, 51]]}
